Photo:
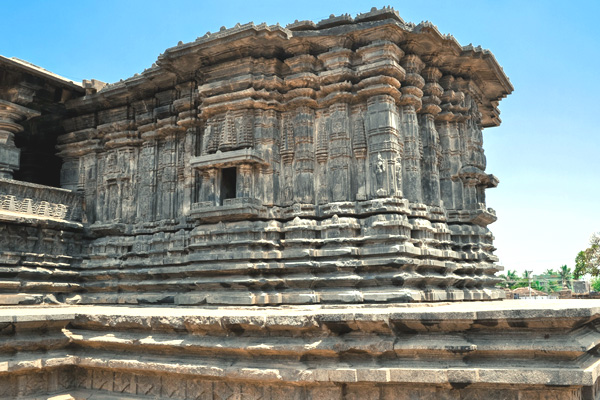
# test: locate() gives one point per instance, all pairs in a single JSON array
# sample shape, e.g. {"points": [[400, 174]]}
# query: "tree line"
{"points": [[550, 281], [587, 262]]}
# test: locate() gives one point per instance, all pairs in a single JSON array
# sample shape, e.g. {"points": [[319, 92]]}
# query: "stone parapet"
{"points": [[39, 201]]}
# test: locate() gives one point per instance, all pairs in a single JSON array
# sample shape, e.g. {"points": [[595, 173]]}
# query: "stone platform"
{"points": [[509, 350]]}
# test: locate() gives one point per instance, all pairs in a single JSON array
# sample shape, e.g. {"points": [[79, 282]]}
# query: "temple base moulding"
{"points": [[509, 349]]}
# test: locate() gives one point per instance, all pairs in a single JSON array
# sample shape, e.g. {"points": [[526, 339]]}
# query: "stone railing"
{"points": [[39, 200]]}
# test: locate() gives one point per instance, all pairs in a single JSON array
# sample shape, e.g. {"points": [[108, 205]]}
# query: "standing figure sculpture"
{"points": [[379, 173]]}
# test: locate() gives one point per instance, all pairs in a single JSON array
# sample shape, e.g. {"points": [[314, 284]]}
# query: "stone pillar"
{"points": [[474, 155], [413, 149], [10, 116], [146, 202], [321, 156], [168, 173], [448, 129], [470, 192], [287, 158], [128, 157], [89, 185], [304, 163], [189, 175], [359, 147], [338, 167], [266, 130], [187, 117], [431, 150], [472, 172], [384, 145], [460, 113], [446, 189], [210, 179], [244, 182]]}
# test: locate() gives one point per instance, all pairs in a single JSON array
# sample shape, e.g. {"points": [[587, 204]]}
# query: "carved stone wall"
{"points": [[506, 350], [41, 243], [331, 162]]}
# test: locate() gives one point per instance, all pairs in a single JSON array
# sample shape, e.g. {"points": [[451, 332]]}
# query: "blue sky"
{"points": [[546, 152]]}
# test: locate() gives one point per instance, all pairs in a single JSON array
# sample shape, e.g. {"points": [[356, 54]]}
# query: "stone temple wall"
{"points": [[333, 162]]}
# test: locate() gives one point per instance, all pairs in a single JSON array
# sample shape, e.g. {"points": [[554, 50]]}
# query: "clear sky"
{"points": [[546, 152]]}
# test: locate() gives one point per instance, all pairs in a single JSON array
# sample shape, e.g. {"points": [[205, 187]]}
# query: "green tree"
{"points": [[503, 283], [537, 285], [550, 272], [553, 287], [566, 275], [588, 260], [595, 284], [515, 281]]}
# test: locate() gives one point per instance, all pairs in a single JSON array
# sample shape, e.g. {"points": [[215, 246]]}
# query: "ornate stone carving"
{"points": [[429, 136], [380, 176], [413, 146], [10, 116], [190, 173]]}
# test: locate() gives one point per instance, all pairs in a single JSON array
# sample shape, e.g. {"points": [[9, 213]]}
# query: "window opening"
{"points": [[228, 183]]}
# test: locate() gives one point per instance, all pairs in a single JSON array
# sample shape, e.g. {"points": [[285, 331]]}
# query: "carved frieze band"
{"points": [[33, 207]]}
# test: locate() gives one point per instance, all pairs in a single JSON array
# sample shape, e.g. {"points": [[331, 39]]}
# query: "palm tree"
{"points": [[527, 276], [511, 275], [511, 278], [565, 275], [537, 285], [550, 272]]}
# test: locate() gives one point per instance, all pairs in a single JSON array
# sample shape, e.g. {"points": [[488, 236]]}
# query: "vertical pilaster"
{"points": [[189, 175], [470, 192], [359, 147], [127, 157], [266, 129], [212, 191], [338, 166], [90, 184], [304, 163], [321, 155], [431, 150], [187, 118], [384, 145], [169, 176], [472, 172], [286, 153], [245, 187], [448, 128], [410, 104], [10, 116], [146, 201]]}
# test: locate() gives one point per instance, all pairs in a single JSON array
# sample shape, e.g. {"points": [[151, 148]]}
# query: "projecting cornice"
{"points": [[34, 87], [191, 61]]}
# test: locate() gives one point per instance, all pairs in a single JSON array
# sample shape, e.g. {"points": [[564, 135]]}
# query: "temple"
{"points": [[315, 191], [318, 163]]}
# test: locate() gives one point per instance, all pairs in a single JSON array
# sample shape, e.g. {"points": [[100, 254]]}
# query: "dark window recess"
{"points": [[38, 162], [228, 183]]}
